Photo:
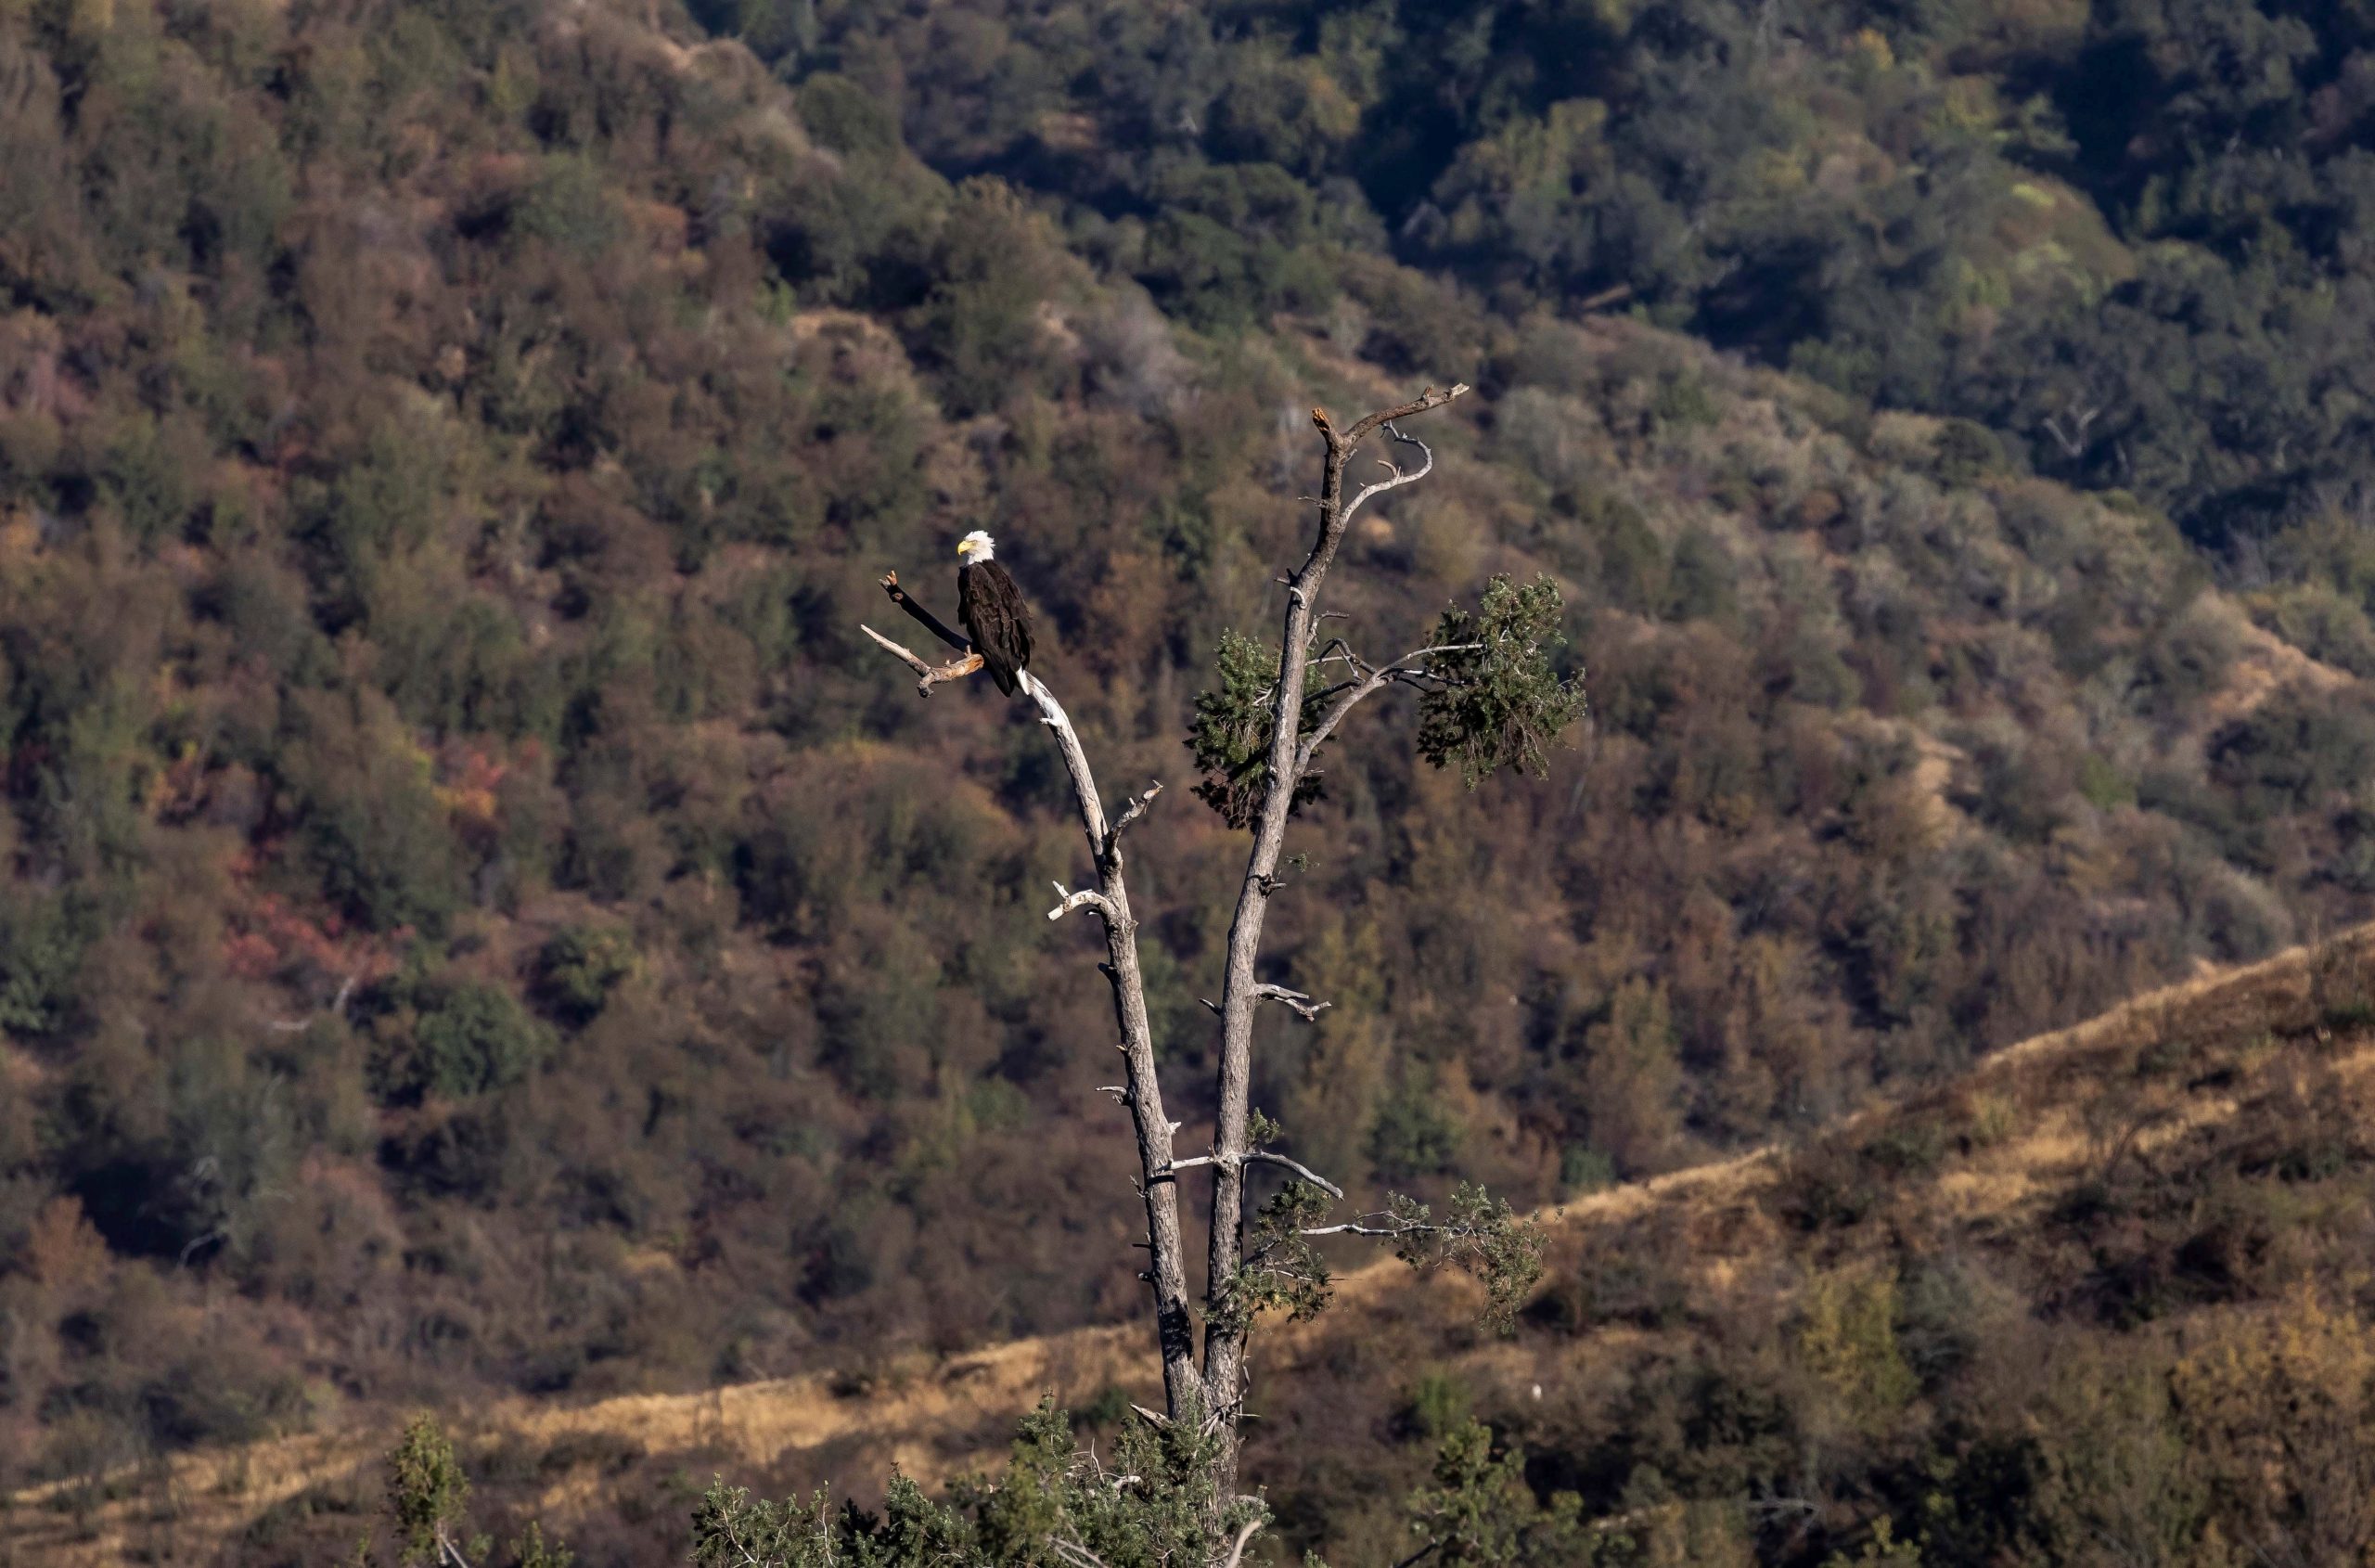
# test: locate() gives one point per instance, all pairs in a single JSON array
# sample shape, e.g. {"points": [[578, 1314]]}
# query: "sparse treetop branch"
{"points": [[1256, 737]]}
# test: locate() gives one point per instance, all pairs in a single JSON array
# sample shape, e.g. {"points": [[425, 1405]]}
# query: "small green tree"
{"points": [[427, 1495], [1882, 1549], [474, 1037], [1231, 735], [579, 966], [451, 1036], [1490, 697], [532, 1550], [1480, 1513]]}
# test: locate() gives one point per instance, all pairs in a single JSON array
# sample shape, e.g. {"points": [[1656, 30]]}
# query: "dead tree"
{"points": [[1110, 897], [1489, 697]]}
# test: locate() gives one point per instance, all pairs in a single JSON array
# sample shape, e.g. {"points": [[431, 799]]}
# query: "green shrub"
{"points": [[579, 966], [454, 1038], [370, 822], [1437, 1404], [1847, 1339], [42, 945], [1585, 1169], [1411, 1136], [473, 1039]]}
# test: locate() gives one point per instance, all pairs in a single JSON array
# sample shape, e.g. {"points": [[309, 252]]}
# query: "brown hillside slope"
{"points": [[1975, 1163]]}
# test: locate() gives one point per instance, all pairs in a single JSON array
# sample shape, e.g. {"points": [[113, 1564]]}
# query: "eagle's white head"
{"points": [[977, 545]]}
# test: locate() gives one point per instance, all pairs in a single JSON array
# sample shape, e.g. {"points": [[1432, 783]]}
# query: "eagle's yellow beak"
{"points": [[964, 546]]}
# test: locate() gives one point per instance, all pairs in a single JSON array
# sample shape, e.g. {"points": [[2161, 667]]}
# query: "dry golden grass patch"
{"points": [[2032, 1116]]}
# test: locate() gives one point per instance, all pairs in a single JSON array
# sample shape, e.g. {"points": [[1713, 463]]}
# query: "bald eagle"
{"points": [[990, 610]]}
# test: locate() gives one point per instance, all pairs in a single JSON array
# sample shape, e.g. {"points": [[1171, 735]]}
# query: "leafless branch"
{"points": [[1132, 809], [1086, 898], [1407, 668], [336, 1009], [1237, 1549], [1077, 1555], [1335, 649], [1295, 999], [1408, 663], [1393, 1229], [1265, 1157], [1334, 518], [2073, 445], [932, 674], [1268, 1157], [1782, 1505], [1433, 397], [1394, 476]]}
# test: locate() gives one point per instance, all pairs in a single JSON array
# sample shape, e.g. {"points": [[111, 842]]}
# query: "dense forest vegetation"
{"points": [[478, 915], [2135, 235], [2097, 1302]]}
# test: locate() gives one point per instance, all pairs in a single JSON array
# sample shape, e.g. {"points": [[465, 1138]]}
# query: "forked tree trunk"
{"points": [[1214, 1396], [1225, 1333]]}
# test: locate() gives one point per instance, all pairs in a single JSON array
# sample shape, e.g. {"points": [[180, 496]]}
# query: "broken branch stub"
{"points": [[929, 674]]}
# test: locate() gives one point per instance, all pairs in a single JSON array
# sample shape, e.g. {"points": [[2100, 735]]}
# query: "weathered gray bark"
{"points": [[1217, 1394], [1166, 1252], [1224, 1333]]}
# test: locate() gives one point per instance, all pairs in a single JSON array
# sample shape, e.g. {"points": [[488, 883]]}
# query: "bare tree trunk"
{"points": [[1158, 1183], [1215, 1396], [1225, 1333]]}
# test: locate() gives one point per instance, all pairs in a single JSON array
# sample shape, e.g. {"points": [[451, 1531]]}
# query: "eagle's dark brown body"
{"points": [[990, 610]]}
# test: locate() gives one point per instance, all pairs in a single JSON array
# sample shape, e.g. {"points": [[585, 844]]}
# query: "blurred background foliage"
{"points": [[478, 916]]}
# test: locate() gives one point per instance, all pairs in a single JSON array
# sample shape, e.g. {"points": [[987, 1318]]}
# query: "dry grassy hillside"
{"points": [[2130, 1114]]}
